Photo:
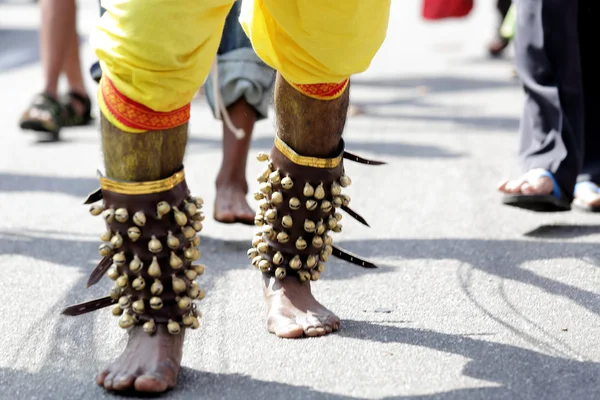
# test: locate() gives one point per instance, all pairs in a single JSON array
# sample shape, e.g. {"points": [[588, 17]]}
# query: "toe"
{"points": [[101, 377], [514, 186], [108, 381], [150, 384], [502, 186], [123, 382]]}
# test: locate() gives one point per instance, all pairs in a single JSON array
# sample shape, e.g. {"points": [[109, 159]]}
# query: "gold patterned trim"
{"points": [[306, 161], [142, 187]]}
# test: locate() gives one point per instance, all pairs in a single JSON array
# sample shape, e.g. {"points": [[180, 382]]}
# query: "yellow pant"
{"points": [[157, 53]]}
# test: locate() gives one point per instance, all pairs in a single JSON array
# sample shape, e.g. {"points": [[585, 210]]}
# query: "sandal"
{"points": [[70, 115], [579, 204], [553, 202], [45, 114]]}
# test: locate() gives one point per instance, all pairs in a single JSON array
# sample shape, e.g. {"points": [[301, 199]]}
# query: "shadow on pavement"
{"points": [[519, 372], [77, 187], [562, 231], [18, 48]]}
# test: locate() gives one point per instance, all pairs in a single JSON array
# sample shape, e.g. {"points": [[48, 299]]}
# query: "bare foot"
{"points": [[587, 195], [148, 363], [294, 312], [231, 205], [541, 186]]}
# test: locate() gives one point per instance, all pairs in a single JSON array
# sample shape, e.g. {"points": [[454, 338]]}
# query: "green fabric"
{"points": [[509, 25]]}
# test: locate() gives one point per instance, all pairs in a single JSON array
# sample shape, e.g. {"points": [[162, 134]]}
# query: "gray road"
{"points": [[472, 300]]}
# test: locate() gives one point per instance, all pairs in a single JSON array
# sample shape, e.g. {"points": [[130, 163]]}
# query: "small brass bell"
{"points": [[134, 233], [268, 231], [271, 215], [301, 243], [199, 201], [345, 200], [259, 220], [105, 250], [294, 203], [126, 321], [277, 258], [280, 273], [156, 288], [262, 247], [196, 241], [116, 241], [190, 274], [108, 215], [193, 291], [264, 204], [179, 284], [136, 264], [326, 206], [262, 157], [319, 192], [119, 259], [180, 218], [199, 268], [196, 253], [190, 209], [320, 229], [264, 265], [328, 240], [198, 217], [122, 281], [139, 218], [138, 283], [154, 245], [311, 205], [116, 311], [276, 198], [162, 209], [296, 263], [115, 292], [138, 307], [345, 181], [317, 241], [258, 196], [154, 268], [312, 261], [283, 237], [287, 221], [106, 236], [314, 275], [308, 190], [124, 302], [329, 249], [256, 260], [321, 267], [304, 276], [184, 303], [172, 241], [260, 178], [275, 178], [287, 183], [309, 226], [173, 327], [331, 222], [323, 256], [174, 261], [188, 232], [256, 240], [265, 187], [337, 228], [197, 225], [190, 254], [195, 324], [336, 189], [113, 273], [121, 215], [337, 216], [150, 327], [188, 320], [201, 294], [96, 209], [252, 253], [156, 303], [266, 172], [337, 201]]}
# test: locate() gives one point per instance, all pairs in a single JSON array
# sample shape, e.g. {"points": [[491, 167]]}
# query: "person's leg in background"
{"points": [[315, 46], [59, 48], [149, 78], [245, 87], [552, 125], [497, 46]]}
